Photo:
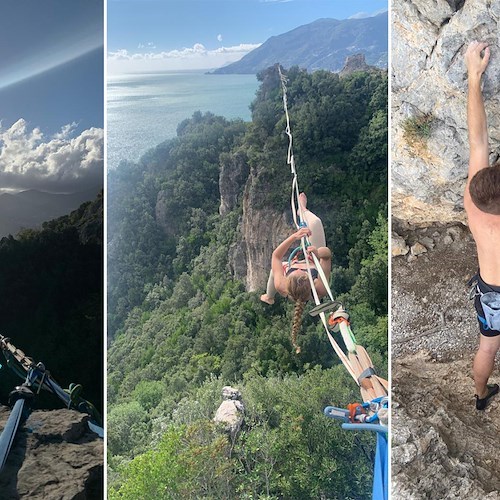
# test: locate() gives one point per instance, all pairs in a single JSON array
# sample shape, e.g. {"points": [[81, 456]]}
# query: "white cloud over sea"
{"points": [[60, 164], [195, 57]]}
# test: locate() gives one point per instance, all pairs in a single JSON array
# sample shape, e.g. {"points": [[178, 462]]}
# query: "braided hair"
{"points": [[299, 289]]}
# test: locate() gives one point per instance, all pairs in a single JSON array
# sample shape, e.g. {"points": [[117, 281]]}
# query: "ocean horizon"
{"points": [[144, 109]]}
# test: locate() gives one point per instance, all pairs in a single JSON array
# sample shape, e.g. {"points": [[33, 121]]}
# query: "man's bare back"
{"points": [[485, 229]]}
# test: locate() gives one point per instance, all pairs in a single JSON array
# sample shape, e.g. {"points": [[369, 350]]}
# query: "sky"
{"points": [[164, 35], [51, 95]]}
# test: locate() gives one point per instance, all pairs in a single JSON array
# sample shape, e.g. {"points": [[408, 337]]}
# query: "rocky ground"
{"points": [[54, 456], [442, 447]]}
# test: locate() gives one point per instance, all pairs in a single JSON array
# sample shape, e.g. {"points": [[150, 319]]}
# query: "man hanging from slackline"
{"points": [[482, 204]]}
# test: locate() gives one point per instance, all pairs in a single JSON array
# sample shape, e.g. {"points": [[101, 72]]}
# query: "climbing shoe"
{"points": [[481, 403]]}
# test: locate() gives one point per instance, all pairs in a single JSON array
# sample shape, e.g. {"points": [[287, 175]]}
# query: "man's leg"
{"points": [[484, 362]]}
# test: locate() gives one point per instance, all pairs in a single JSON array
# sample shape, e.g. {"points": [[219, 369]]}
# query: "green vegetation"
{"points": [[182, 326], [417, 129], [52, 301], [287, 448]]}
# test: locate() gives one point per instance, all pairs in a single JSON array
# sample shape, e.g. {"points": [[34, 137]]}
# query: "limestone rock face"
{"points": [[54, 455], [232, 177], [429, 78], [262, 230]]}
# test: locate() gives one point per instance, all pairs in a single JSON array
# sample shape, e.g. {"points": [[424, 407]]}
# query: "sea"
{"points": [[144, 110]]}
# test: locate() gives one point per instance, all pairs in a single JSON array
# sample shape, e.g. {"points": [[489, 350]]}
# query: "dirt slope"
{"points": [[442, 447]]}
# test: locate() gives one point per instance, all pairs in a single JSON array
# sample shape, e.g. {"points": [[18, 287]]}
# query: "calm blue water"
{"points": [[145, 109]]}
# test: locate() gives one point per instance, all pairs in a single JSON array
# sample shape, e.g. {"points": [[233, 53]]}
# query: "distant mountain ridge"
{"points": [[322, 44], [28, 209]]}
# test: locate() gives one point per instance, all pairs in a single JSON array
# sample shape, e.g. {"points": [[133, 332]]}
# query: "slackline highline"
{"points": [[372, 414]]}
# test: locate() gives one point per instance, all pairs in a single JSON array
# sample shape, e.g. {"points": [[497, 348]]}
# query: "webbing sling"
{"points": [[299, 221]]}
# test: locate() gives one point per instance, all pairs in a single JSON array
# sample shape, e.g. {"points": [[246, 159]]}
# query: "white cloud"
{"points": [[363, 15], [359, 15], [61, 164], [219, 37], [66, 131], [149, 46], [195, 57]]}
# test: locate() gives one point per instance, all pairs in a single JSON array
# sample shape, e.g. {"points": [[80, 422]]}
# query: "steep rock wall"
{"points": [[233, 174], [429, 78], [260, 229]]}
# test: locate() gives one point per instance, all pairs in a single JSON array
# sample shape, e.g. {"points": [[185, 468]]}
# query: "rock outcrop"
{"points": [[233, 174], [354, 63], [54, 455], [231, 411], [430, 82]]}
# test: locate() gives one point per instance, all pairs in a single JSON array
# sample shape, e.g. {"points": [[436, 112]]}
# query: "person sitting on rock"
{"points": [[482, 204], [291, 279]]}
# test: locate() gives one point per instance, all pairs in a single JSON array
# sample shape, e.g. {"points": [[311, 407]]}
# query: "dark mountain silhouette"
{"points": [[28, 209]]}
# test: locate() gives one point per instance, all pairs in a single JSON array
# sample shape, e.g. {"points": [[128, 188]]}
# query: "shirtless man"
{"points": [[482, 204]]}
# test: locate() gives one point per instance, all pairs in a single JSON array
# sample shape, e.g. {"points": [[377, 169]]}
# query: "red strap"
{"points": [[355, 409], [333, 321]]}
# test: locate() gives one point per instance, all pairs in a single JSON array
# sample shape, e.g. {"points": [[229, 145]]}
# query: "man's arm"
{"points": [[476, 115]]}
